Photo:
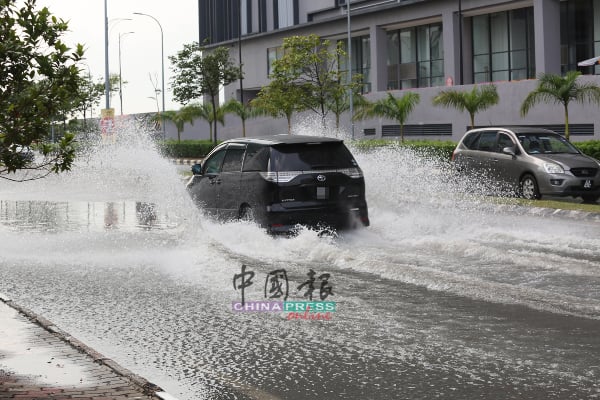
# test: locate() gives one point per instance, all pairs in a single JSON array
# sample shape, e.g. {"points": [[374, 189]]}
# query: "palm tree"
{"points": [[205, 112], [241, 110], [478, 99], [561, 90], [178, 118], [391, 107]]}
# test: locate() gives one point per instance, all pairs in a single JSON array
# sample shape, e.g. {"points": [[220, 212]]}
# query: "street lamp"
{"points": [[106, 73], [120, 75], [351, 95], [162, 62]]}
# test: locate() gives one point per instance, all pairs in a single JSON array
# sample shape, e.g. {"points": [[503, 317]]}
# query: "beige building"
{"points": [[421, 45]]}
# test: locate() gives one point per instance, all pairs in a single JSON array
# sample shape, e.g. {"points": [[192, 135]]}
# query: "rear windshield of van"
{"points": [[310, 157]]}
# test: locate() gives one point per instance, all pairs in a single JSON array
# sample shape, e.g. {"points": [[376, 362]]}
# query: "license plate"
{"points": [[587, 184], [322, 193]]}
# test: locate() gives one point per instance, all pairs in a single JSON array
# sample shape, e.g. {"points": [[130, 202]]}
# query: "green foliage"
{"points": [[186, 148], [444, 149], [199, 72], [436, 148], [308, 71], [590, 147], [561, 90], [392, 107], [241, 110], [39, 79], [279, 99], [88, 94], [478, 99]]}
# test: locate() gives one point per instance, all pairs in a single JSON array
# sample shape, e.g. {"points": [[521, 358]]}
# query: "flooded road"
{"points": [[444, 296]]}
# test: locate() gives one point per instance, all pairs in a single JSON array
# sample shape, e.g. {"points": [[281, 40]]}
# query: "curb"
{"points": [[149, 388], [186, 161]]}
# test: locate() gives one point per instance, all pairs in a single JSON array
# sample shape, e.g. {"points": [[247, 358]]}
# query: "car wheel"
{"points": [[590, 198], [247, 213], [529, 188]]}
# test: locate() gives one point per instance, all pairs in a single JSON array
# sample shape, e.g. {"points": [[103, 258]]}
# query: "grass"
{"points": [[554, 204]]}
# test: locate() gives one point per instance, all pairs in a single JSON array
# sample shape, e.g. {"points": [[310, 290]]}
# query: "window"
{"points": [[504, 141], [416, 57], [285, 13], [580, 34], [273, 54], [257, 158], [486, 141], [503, 46], [361, 60], [233, 158], [596, 6], [213, 164]]}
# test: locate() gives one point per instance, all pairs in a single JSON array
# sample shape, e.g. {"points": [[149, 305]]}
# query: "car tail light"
{"points": [[280, 177], [352, 172], [453, 155]]}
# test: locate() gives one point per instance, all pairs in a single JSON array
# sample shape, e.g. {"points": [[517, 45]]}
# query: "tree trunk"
{"points": [[214, 117], [472, 121], [401, 133], [243, 127], [567, 135]]}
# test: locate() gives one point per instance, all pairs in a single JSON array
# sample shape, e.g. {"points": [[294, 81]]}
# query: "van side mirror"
{"points": [[509, 150], [197, 169]]}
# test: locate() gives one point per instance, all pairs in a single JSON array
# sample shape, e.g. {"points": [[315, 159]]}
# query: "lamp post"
{"points": [[120, 75], [351, 95], [106, 73], [460, 39], [162, 62]]}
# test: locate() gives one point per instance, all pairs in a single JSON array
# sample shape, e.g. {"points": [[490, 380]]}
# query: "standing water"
{"points": [[445, 295]]}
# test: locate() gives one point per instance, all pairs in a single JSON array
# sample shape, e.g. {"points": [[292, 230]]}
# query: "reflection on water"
{"points": [[50, 216]]}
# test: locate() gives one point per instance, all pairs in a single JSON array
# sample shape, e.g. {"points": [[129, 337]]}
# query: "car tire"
{"points": [[529, 188], [590, 198], [247, 213]]}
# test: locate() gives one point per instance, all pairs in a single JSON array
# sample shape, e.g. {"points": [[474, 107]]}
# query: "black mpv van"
{"points": [[281, 181]]}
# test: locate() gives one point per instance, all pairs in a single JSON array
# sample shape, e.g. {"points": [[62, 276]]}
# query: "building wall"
{"points": [[330, 22]]}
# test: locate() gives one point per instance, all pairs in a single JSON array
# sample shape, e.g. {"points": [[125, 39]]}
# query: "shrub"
{"points": [[590, 148], [186, 148], [441, 149]]}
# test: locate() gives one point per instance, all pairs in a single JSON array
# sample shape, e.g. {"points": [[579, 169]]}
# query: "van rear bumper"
{"points": [[280, 219]]}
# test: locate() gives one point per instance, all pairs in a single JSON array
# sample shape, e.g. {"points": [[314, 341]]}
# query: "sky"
{"points": [[140, 50]]}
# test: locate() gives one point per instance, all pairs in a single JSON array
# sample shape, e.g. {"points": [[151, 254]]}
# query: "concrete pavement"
{"points": [[40, 361]]}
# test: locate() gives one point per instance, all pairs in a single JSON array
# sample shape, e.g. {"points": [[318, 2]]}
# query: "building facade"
{"points": [[421, 45]]}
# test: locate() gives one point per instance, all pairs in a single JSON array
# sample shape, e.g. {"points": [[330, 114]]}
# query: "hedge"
{"points": [[442, 149], [590, 147], [186, 148]]}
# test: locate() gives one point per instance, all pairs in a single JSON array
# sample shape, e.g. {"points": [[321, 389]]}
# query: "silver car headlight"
{"points": [[552, 168]]}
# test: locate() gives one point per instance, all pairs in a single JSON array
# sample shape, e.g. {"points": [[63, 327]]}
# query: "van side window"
{"points": [[257, 158], [233, 158], [213, 164]]}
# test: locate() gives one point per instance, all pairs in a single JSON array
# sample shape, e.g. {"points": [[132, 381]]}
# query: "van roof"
{"points": [[284, 139]]}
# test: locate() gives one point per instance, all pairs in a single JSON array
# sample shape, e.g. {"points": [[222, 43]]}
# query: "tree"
{"points": [[279, 99], [39, 79], [176, 117], [308, 63], [478, 99], [241, 110], [339, 99], [198, 72], [89, 94], [561, 90], [393, 108], [207, 113]]}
